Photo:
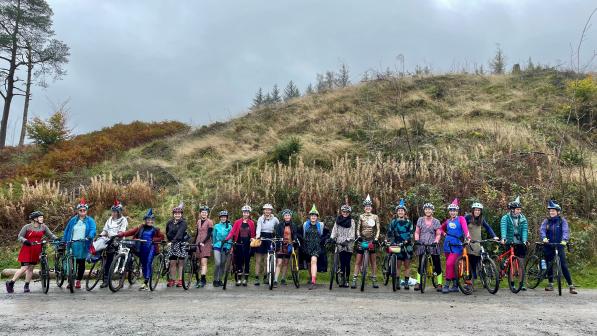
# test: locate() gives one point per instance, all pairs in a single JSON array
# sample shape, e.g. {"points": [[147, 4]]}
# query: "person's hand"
{"points": [[120, 234], [201, 244], [564, 243], [503, 242], [546, 240], [27, 243], [496, 238]]}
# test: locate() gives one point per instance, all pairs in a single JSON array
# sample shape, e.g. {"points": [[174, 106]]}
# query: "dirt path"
{"points": [[289, 311]]}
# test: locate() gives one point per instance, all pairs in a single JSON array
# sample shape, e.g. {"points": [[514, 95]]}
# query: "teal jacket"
{"points": [[507, 228], [220, 232]]}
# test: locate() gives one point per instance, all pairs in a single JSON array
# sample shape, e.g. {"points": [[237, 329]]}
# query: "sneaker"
{"points": [[239, 281], [275, 284], [179, 283], [104, 285], [143, 287], [549, 288], [216, 284], [345, 284], [454, 288], [197, 284], [445, 289], [374, 281], [10, 287], [170, 283], [573, 290], [353, 283], [78, 284], [26, 288], [418, 287], [257, 283], [406, 285], [244, 283], [283, 282], [312, 285], [439, 288], [523, 288]]}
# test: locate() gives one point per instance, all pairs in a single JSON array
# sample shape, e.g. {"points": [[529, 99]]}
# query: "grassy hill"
{"points": [[432, 138]]}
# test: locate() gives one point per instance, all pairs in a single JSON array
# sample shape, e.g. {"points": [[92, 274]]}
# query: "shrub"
{"points": [[286, 149], [49, 132]]}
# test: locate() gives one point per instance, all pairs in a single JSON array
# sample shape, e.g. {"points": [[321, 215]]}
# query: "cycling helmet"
{"points": [[401, 205], [515, 204], [117, 206], [428, 206], [477, 205], [268, 206], [367, 201], [346, 208], [203, 208], [286, 212], [35, 214], [551, 204], [246, 208], [223, 213], [454, 205]]}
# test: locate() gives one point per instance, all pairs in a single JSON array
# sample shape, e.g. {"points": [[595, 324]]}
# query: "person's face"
{"points": [[287, 217], [428, 212], [553, 212], [115, 214], [453, 213], [149, 221], [177, 215], [517, 211], [477, 212], [203, 214], [401, 213], [368, 208], [246, 214], [345, 213], [223, 219], [267, 212], [313, 218], [82, 212], [39, 219]]}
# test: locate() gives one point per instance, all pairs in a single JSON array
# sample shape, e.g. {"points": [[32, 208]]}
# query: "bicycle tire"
{"points": [[423, 275], [187, 272], [334, 270], [134, 273], [514, 270], [228, 270], [385, 269], [462, 275], [395, 282], [534, 273], [59, 271], [156, 271], [558, 275], [44, 275], [487, 270], [271, 261], [70, 272], [95, 274], [431, 273], [295, 271], [115, 277], [364, 270]]}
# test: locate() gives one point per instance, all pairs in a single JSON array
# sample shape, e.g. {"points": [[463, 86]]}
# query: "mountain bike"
{"points": [[367, 247], [335, 273], [487, 269], [160, 266], [510, 265], [125, 265], [68, 264], [59, 252], [229, 265], [190, 267], [44, 268], [462, 271], [390, 263], [538, 270], [96, 272]]}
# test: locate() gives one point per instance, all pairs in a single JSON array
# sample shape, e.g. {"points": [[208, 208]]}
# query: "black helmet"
{"points": [[35, 214]]}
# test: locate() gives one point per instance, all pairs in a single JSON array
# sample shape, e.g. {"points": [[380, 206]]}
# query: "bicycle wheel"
{"points": [[334, 270], [134, 270], [44, 275], [395, 282], [228, 270], [59, 270], [386, 269], [364, 270], [156, 271], [295, 271], [515, 275], [96, 273], [116, 275], [487, 271], [558, 273], [271, 274], [462, 275], [187, 272], [534, 273], [431, 273], [423, 275], [70, 273]]}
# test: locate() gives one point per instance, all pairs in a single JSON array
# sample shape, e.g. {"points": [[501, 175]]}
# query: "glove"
{"points": [[27, 243], [120, 234], [545, 240], [564, 243]]}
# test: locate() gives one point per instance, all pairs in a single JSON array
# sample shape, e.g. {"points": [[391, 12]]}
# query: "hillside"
{"points": [[434, 138]]}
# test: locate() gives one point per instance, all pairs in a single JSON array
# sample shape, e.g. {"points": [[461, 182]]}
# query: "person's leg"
{"points": [[564, 264], [398, 266], [357, 269], [148, 270], [284, 269], [278, 269], [373, 259], [247, 261], [437, 269], [19, 272], [313, 269], [345, 257], [80, 269], [406, 263], [107, 265], [217, 266], [173, 269]]}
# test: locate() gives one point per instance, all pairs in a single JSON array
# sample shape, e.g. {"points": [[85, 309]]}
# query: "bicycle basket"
{"points": [[394, 249]]}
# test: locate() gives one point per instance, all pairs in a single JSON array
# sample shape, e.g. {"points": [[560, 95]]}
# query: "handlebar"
{"points": [[553, 244]]}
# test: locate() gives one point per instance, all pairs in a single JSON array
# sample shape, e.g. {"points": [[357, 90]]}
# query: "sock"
{"points": [[313, 279], [440, 279], [418, 278]]}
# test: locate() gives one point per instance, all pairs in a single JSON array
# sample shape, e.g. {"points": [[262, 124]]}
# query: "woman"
{"points": [[204, 243], [176, 232], [400, 232], [82, 229], [30, 236], [475, 222], [243, 232], [514, 229], [455, 230], [368, 229], [427, 233], [287, 231], [220, 246], [555, 229], [115, 224], [343, 233], [312, 232], [148, 249], [265, 229]]}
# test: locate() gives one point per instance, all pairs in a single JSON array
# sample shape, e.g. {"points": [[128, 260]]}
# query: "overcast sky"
{"points": [[202, 61]]}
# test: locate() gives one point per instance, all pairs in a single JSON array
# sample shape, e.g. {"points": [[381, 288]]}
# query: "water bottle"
{"points": [[543, 264]]}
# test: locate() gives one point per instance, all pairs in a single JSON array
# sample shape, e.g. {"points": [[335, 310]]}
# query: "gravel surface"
{"points": [[290, 311]]}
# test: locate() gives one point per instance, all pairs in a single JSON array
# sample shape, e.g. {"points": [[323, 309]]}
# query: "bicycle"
{"points": [[59, 252], [124, 265], [271, 260], [44, 271], [487, 269], [540, 271], [335, 273], [510, 264], [160, 266], [367, 247], [68, 264], [229, 265], [96, 272], [461, 268], [294, 264], [190, 266], [426, 268], [390, 262]]}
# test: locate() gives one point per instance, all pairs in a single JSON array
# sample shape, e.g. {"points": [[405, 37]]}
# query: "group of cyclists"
{"points": [[350, 235]]}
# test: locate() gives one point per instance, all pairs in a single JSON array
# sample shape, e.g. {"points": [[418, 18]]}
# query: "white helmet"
{"points": [[477, 205], [268, 206], [246, 208]]}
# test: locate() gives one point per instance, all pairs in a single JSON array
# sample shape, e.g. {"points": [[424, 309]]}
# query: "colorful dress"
{"points": [[29, 255], [204, 235], [400, 231], [176, 232], [311, 235], [456, 230]]}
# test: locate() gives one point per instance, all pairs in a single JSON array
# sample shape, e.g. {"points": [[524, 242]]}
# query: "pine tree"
{"points": [[309, 90], [291, 91], [276, 98], [259, 99], [268, 99], [343, 78], [498, 63], [330, 80]]}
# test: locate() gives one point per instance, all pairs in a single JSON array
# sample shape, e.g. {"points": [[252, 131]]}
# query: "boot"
{"points": [[572, 290], [549, 287], [275, 284], [406, 284], [246, 280], [418, 287], [353, 283], [257, 283], [454, 287], [215, 284], [10, 286], [26, 288], [374, 281]]}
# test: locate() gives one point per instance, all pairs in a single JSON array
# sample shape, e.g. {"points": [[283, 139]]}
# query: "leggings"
{"points": [[473, 261], [107, 264], [437, 265], [345, 257], [80, 268], [450, 263], [242, 256], [146, 258], [550, 255], [220, 262]]}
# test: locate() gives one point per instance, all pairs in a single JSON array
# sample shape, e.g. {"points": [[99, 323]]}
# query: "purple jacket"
{"points": [[555, 229]]}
